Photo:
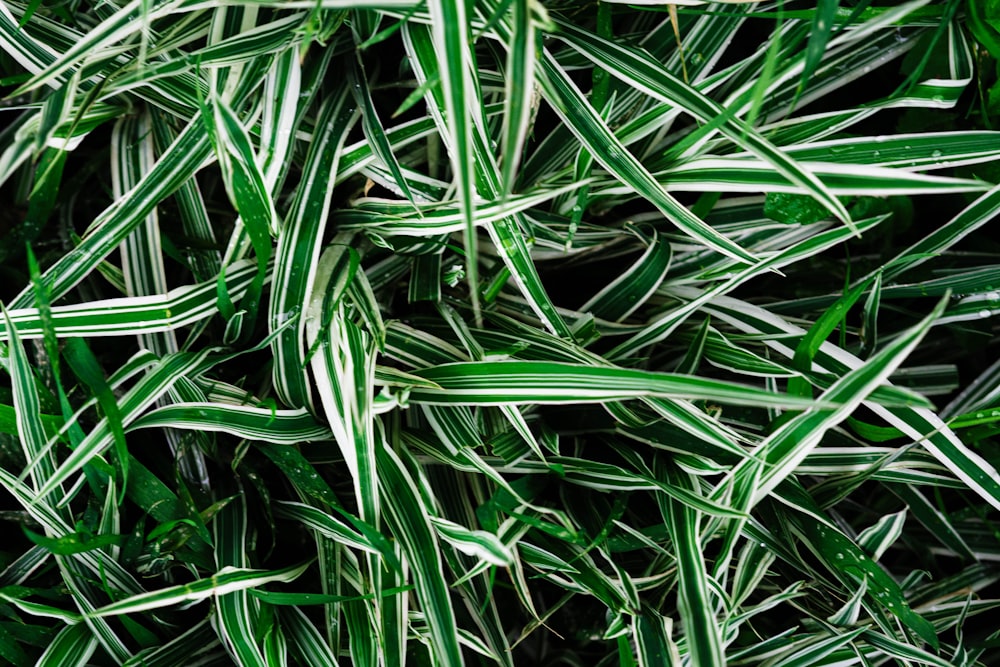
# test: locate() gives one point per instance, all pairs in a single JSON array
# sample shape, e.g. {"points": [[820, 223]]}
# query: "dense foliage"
{"points": [[499, 332]]}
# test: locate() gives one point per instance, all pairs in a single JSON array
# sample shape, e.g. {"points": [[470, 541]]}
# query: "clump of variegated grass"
{"points": [[498, 333]]}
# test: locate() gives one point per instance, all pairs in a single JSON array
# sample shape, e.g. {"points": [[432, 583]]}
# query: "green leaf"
{"points": [[86, 367], [819, 35], [511, 382], [452, 44], [225, 581], [73, 543], [412, 527], [695, 605], [246, 187], [623, 296]]}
